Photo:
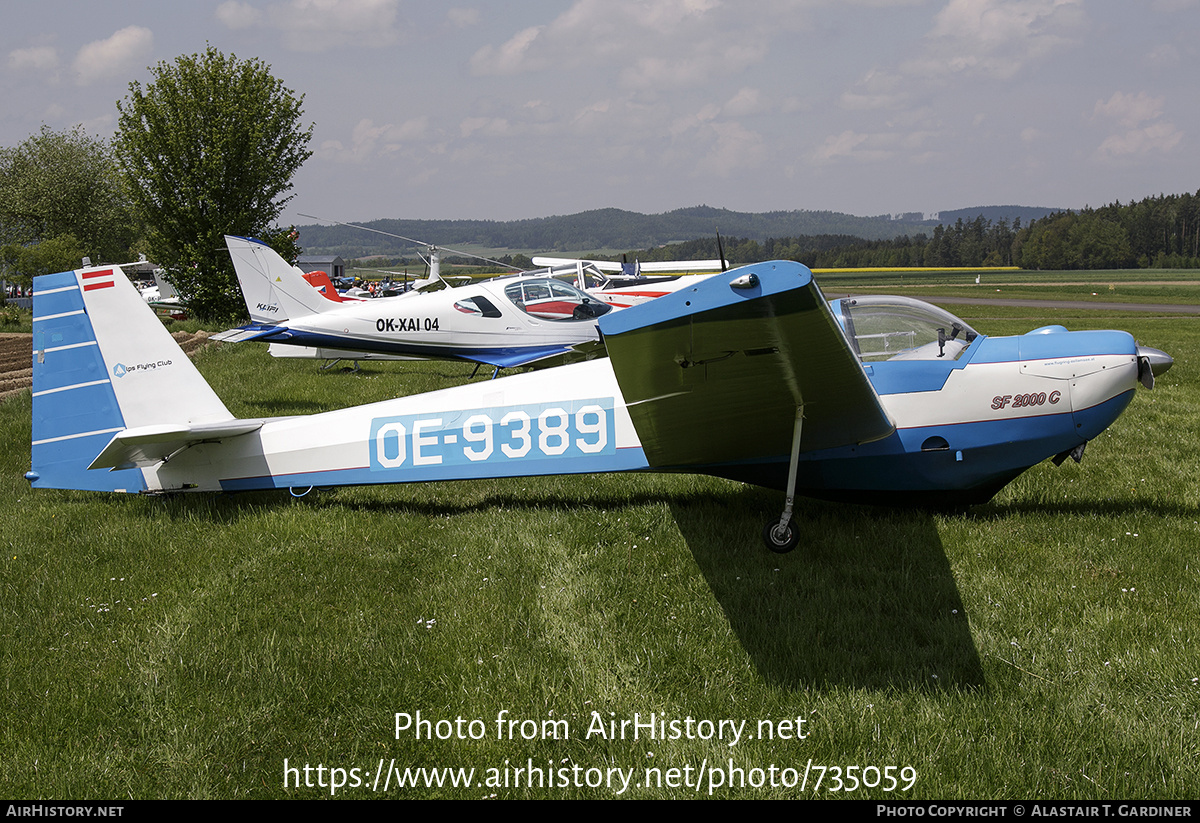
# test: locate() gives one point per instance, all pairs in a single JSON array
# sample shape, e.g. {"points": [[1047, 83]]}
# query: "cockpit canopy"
{"points": [[882, 328], [550, 299], [581, 275]]}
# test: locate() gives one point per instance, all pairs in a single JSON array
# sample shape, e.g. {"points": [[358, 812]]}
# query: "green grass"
{"points": [[1120, 286], [1091, 293], [1044, 645], [13, 319], [914, 277]]}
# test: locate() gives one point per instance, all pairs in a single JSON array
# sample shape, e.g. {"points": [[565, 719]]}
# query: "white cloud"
{"points": [[369, 141], [485, 127], [839, 145], [537, 111], [36, 58], [1164, 56], [689, 122], [852, 145], [514, 56], [745, 102], [1130, 109], [119, 54], [651, 45], [237, 15], [736, 148], [877, 90], [996, 37], [318, 25], [1145, 132], [667, 71], [1157, 138]]}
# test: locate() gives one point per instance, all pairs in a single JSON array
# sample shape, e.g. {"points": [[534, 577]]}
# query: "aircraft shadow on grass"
{"points": [[872, 602]]}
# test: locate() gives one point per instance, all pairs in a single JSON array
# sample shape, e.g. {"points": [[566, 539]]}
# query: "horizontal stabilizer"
{"points": [[150, 445], [242, 334]]}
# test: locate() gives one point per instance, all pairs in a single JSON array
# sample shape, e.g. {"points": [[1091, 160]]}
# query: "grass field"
{"points": [[1046, 645], [1110, 286]]}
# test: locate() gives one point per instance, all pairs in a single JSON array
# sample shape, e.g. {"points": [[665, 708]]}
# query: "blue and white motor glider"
{"points": [[750, 374]]}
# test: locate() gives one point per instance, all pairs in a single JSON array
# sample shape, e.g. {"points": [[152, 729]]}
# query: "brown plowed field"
{"points": [[16, 363], [16, 358]]}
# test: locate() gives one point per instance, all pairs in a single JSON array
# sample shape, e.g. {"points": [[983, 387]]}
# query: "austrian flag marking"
{"points": [[98, 279]]}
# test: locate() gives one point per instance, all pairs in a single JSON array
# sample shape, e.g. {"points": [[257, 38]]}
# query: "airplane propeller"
{"points": [[1151, 363]]}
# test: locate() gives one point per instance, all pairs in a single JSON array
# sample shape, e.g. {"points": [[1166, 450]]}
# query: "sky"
{"points": [[532, 108]]}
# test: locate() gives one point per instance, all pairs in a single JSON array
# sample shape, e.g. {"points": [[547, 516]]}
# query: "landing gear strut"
{"points": [[781, 536]]}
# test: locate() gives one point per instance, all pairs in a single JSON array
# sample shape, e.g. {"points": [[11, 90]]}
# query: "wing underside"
{"points": [[715, 373]]}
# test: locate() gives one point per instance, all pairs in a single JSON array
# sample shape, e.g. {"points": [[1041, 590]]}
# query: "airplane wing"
{"points": [[551, 262], [715, 372], [511, 358], [285, 352], [617, 268], [539, 356]]}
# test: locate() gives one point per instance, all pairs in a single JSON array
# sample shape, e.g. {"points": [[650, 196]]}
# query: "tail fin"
{"points": [[103, 363], [273, 289]]}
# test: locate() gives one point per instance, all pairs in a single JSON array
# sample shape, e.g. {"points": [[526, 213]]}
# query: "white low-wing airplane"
{"points": [[750, 374], [513, 321], [622, 285]]}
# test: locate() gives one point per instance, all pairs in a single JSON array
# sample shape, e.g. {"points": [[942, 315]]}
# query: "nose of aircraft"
{"points": [[1152, 363]]}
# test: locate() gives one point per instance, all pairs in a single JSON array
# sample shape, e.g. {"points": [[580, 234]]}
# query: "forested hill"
{"points": [[995, 214], [600, 229], [1160, 232]]}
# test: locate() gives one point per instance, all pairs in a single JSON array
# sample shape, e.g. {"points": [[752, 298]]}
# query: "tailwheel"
{"points": [[780, 538]]}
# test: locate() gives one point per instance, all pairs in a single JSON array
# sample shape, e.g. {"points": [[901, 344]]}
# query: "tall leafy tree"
{"points": [[209, 147], [61, 199]]}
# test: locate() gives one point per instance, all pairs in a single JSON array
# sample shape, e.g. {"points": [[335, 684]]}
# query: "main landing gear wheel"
{"points": [[780, 541]]}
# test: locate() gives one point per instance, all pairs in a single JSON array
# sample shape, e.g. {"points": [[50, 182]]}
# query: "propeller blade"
{"points": [[1151, 363]]}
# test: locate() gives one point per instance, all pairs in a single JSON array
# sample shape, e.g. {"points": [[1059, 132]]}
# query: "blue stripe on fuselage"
{"points": [[622, 460], [506, 357]]}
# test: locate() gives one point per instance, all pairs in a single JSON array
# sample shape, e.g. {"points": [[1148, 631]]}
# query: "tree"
{"points": [[25, 261], [209, 148], [61, 198], [1095, 243]]}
